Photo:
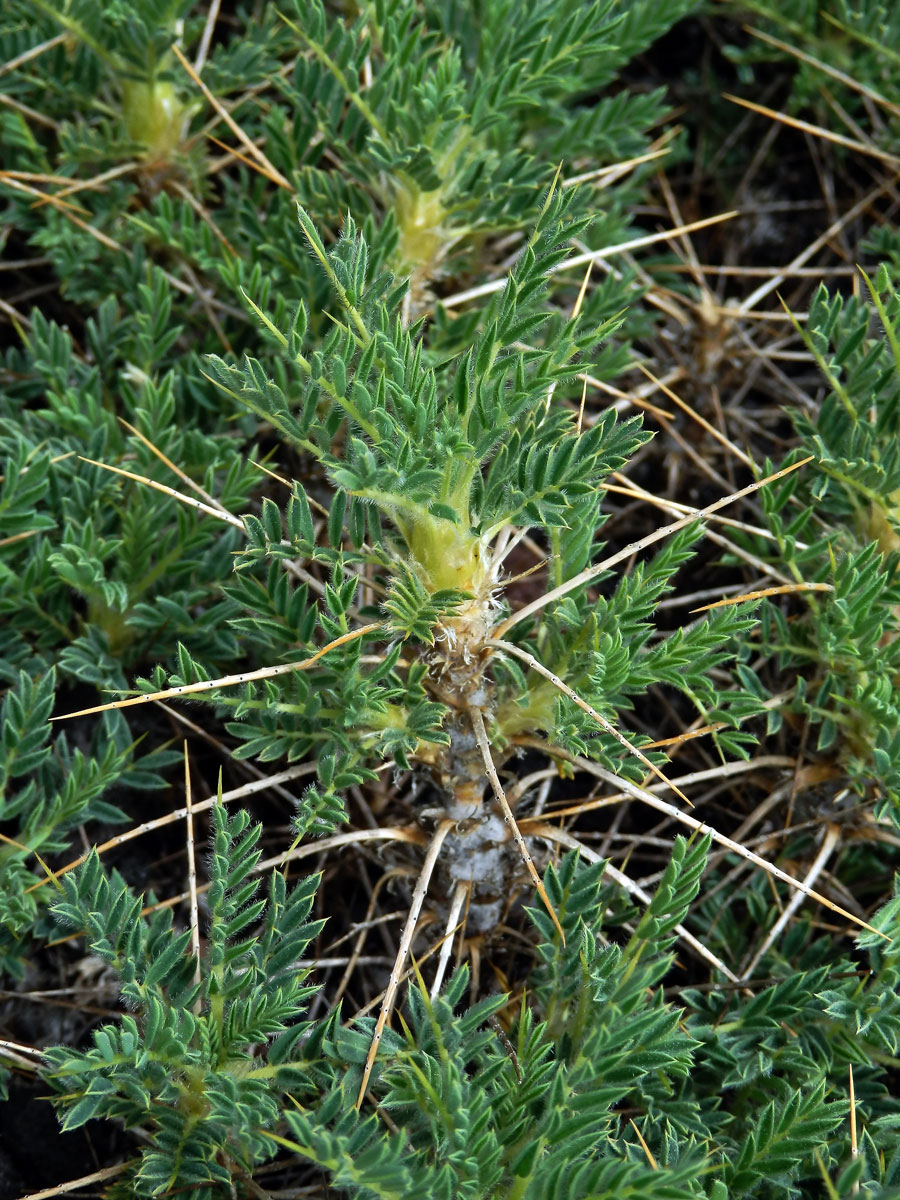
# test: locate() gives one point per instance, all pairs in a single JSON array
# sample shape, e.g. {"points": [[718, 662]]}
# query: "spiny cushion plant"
{"points": [[150, 264], [436, 564], [452, 463], [308, 430]]}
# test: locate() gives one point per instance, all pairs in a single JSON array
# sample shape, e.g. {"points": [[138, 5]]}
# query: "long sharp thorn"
{"points": [[491, 771]]}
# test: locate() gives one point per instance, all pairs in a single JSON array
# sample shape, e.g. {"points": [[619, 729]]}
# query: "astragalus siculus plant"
{"points": [[324, 467]]}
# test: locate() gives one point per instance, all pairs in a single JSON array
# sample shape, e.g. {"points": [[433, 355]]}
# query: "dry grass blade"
{"points": [[603, 176], [592, 572], [832, 837], [218, 511], [524, 656], [720, 839], [75, 1185], [206, 39], [180, 814], [409, 929], [361, 929], [783, 589], [23, 1056], [29, 55], [192, 871], [766, 289], [695, 416], [18, 537], [88, 185], [62, 206], [838, 138], [563, 838], [654, 1165], [624, 786], [95, 183], [826, 69], [673, 506], [213, 508], [497, 285], [411, 835], [738, 767], [208, 685], [457, 903], [270, 171], [182, 475], [389, 834]]}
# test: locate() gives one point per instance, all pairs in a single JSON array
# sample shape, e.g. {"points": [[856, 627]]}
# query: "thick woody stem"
{"points": [[491, 770]]}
